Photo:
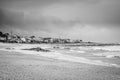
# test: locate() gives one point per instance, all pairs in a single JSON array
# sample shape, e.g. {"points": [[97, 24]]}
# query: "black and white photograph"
{"points": [[59, 39]]}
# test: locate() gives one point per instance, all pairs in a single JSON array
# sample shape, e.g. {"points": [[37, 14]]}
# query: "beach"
{"points": [[61, 63]]}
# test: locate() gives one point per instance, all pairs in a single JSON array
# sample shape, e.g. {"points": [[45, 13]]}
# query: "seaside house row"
{"points": [[32, 39], [21, 39]]}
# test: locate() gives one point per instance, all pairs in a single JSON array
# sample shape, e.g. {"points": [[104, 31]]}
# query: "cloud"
{"points": [[96, 20], [31, 22], [10, 18]]}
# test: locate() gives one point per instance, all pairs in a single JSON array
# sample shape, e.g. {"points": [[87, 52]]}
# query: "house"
{"points": [[47, 40], [23, 39], [55, 40], [2, 38], [41, 39], [77, 41]]}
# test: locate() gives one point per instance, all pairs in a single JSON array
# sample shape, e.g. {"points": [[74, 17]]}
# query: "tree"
{"points": [[32, 37], [1, 34], [6, 36]]}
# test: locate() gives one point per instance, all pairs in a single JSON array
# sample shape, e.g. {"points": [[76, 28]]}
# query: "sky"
{"points": [[89, 20]]}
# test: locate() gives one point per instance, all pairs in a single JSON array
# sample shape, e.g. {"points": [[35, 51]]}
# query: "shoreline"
{"points": [[57, 55]]}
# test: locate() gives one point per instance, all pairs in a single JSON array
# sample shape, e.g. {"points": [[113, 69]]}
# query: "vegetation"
{"points": [[38, 49]]}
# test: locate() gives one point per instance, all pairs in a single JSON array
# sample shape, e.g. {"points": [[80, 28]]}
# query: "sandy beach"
{"points": [[71, 63], [59, 39]]}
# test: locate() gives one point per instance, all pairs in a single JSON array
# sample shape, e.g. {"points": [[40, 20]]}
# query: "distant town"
{"points": [[14, 38]]}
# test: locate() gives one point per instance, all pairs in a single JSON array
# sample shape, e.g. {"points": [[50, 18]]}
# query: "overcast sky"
{"points": [[90, 20]]}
